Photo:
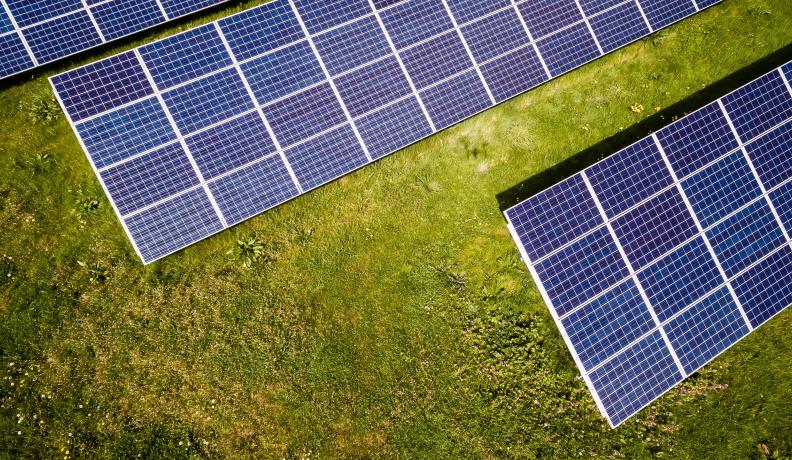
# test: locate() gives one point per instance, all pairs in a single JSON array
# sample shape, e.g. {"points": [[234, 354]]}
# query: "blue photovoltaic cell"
{"points": [[654, 228], [701, 333], [261, 29], [619, 26], [514, 73], [253, 189], [456, 99], [230, 145], [782, 200], [759, 105], [623, 180], [568, 49], [352, 45], [207, 101], [582, 270], [212, 79], [145, 180], [28, 12], [771, 155], [392, 127], [591, 7], [283, 72], [5, 22], [185, 56], [102, 86], [436, 60], [373, 86], [680, 278], [745, 237], [544, 17], [495, 35], [15, 57], [173, 224], [555, 217], [721, 189], [319, 16], [305, 114], [123, 17], [415, 21], [177, 8], [325, 158], [59, 28], [697, 139], [664, 12], [127, 132], [683, 267], [468, 10], [764, 290], [635, 377], [49, 42], [608, 324]]}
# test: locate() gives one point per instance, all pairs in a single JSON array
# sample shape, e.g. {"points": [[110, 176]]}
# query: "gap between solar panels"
{"points": [[37, 32], [207, 128], [658, 258]]}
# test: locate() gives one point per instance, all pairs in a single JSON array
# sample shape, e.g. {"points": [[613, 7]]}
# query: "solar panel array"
{"points": [[35, 32], [199, 131], [658, 258]]}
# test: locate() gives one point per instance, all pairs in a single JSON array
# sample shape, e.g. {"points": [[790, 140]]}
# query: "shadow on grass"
{"points": [[613, 144]]}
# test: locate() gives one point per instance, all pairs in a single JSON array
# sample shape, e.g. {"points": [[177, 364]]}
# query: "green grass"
{"points": [[385, 315]]}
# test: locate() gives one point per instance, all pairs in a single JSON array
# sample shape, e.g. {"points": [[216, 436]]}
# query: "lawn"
{"points": [[385, 315]]}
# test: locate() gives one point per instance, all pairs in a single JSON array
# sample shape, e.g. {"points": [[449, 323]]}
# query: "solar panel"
{"points": [[658, 258], [36, 32], [322, 90]]}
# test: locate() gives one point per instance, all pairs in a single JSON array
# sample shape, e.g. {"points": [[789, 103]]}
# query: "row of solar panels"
{"points": [[204, 129], [35, 32], [658, 258]]}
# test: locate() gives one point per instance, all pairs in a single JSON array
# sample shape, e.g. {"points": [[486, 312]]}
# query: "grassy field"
{"points": [[385, 315]]}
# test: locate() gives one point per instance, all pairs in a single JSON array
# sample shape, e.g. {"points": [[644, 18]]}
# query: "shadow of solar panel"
{"points": [[335, 85], [658, 258]]}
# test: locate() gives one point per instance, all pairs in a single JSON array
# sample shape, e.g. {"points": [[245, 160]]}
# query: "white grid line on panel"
{"points": [[98, 175], [633, 275], [469, 53], [36, 63], [18, 31], [93, 21], [786, 81], [331, 82], [396, 54], [753, 170], [162, 10], [310, 36], [168, 114], [531, 39], [687, 308], [263, 117], [660, 192], [591, 30], [674, 249], [643, 15], [702, 232], [557, 320], [513, 3]]}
